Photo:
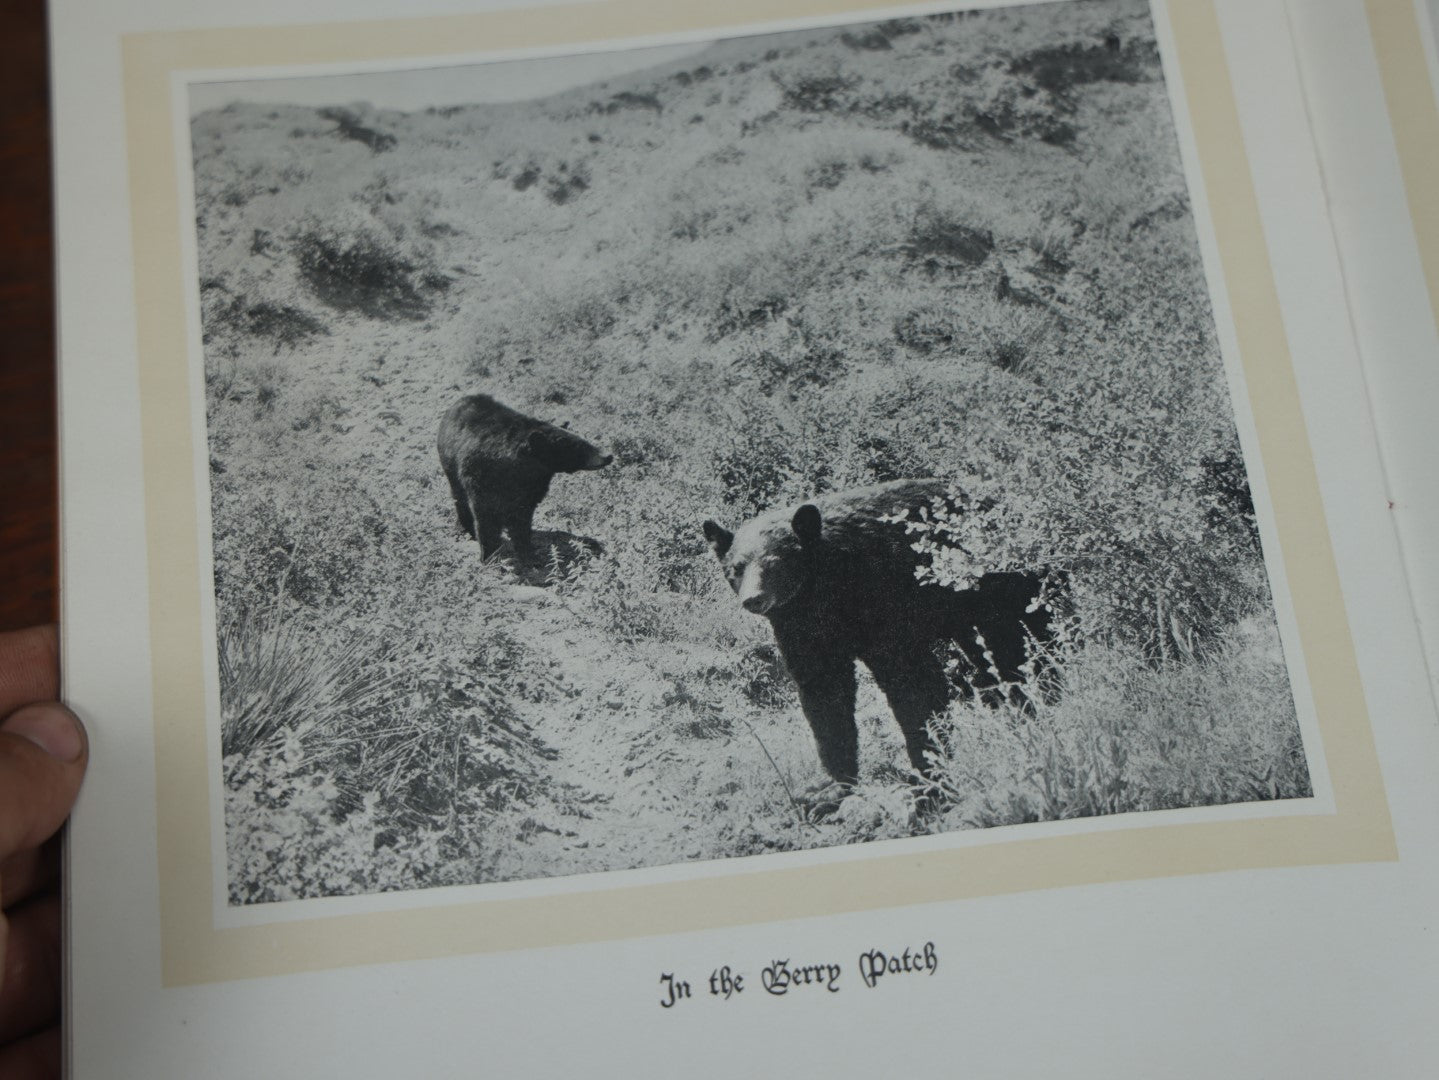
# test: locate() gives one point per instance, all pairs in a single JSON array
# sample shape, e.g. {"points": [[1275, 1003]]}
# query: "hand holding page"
{"points": [[42, 761]]}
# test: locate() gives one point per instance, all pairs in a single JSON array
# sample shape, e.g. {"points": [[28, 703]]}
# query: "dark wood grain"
{"points": [[28, 531]]}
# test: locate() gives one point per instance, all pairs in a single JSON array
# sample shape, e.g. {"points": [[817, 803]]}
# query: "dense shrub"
{"points": [[354, 266], [228, 319], [1125, 737], [1122, 508], [288, 838], [347, 123]]}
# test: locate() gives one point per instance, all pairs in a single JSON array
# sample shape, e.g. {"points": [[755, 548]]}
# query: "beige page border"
{"points": [[194, 950], [1399, 45]]}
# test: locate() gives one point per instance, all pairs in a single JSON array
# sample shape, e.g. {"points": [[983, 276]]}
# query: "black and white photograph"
{"points": [[651, 456]]}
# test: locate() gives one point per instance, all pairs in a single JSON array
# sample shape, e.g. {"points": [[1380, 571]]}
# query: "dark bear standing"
{"points": [[500, 462], [838, 585]]}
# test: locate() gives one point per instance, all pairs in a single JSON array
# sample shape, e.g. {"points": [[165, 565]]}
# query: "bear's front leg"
{"points": [[487, 531], [462, 504], [520, 527], [826, 693], [914, 684]]}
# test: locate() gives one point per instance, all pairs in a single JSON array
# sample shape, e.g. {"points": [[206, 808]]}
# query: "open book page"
{"points": [[1363, 62], [612, 539]]}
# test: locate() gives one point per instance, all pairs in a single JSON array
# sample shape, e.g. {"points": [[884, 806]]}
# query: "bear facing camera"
{"points": [[500, 462], [837, 583]]}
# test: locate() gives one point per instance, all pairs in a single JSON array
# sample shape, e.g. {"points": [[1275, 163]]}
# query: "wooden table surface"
{"points": [[28, 554]]}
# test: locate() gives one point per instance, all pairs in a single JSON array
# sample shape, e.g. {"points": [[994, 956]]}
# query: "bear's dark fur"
{"points": [[837, 583], [500, 462]]}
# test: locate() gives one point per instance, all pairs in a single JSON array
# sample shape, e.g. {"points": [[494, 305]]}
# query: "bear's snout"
{"points": [[758, 603], [596, 460]]}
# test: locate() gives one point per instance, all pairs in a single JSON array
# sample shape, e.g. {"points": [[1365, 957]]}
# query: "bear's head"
{"points": [[768, 560], [562, 451]]}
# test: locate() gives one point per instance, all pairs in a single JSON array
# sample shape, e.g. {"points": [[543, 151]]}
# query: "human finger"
{"points": [[36, 1057], [29, 667], [27, 872], [30, 969], [42, 761]]}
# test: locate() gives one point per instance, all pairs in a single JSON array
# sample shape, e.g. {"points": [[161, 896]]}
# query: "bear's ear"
{"points": [[718, 538], [806, 524]]}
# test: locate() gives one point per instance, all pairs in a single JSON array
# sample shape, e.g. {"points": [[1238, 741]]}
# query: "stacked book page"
{"points": [[621, 538]]}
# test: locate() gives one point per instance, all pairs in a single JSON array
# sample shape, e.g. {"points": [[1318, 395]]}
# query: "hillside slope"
{"points": [[958, 246]]}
